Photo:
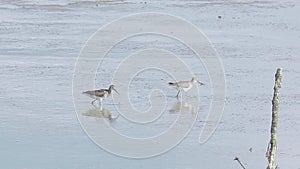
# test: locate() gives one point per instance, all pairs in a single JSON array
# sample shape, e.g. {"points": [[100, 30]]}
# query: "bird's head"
{"points": [[112, 87], [195, 79]]}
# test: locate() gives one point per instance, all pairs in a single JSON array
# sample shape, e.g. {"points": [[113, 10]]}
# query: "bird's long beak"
{"points": [[200, 83], [116, 91]]}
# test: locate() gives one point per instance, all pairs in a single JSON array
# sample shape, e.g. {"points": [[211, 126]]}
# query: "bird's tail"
{"points": [[172, 84], [87, 92]]}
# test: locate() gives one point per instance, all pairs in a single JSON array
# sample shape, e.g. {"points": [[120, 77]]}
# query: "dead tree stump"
{"points": [[272, 146]]}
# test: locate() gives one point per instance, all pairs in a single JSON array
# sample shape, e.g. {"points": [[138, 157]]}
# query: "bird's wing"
{"points": [[100, 92], [183, 84]]}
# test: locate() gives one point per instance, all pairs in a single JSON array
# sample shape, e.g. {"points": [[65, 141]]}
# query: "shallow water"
{"points": [[40, 41]]}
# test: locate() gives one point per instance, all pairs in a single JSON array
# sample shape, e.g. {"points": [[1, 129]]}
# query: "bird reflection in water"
{"points": [[183, 107], [100, 112]]}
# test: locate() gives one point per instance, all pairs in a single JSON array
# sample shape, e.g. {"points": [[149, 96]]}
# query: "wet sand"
{"points": [[40, 41]]}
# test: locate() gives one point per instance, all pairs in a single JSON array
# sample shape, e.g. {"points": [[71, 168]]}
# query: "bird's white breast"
{"points": [[187, 88]]}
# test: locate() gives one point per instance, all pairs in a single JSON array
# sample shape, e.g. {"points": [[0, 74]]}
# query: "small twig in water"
{"points": [[239, 161]]}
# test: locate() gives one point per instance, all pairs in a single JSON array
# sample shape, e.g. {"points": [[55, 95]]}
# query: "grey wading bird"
{"points": [[185, 85], [100, 94]]}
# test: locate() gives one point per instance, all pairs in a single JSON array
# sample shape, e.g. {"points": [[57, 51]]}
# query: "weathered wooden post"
{"points": [[275, 109]]}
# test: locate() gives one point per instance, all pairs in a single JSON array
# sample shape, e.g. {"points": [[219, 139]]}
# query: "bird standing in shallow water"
{"points": [[185, 85], [100, 94]]}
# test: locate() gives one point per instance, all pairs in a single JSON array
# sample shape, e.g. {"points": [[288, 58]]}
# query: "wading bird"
{"points": [[185, 85], [100, 94]]}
